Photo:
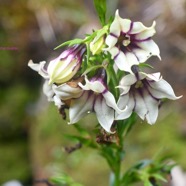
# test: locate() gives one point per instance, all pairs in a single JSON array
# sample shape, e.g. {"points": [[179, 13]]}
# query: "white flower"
{"points": [[66, 91], [178, 177], [95, 98], [142, 94], [40, 68], [59, 94], [56, 93], [64, 67], [130, 43]]}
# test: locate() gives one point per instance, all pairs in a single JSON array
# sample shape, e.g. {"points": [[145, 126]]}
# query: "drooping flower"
{"points": [[56, 93], [95, 98], [142, 93], [130, 43], [64, 67]]}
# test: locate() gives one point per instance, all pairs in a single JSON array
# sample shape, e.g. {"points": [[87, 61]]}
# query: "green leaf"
{"points": [[70, 43], [85, 141], [145, 65], [159, 177], [101, 9], [147, 183], [91, 69], [64, 180], [61, 180]]}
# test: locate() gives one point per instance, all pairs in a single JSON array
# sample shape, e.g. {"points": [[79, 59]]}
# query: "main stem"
{"points": [[118, 158], [117, 172]]}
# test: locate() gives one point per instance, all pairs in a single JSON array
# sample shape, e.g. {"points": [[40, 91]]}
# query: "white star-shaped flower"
{"points": [[130, 43], [142, 93]]}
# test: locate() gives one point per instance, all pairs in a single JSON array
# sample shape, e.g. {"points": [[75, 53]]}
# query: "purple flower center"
{"points": [[123, 39], [126, 42]]}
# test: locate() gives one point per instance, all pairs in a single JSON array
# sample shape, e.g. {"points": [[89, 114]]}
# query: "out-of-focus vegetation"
{"points": [[32, 133]]}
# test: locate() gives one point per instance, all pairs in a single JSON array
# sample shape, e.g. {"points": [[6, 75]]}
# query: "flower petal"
{"points": [[61, 71], [149, 46], [96, 86], [128, 80], [128, 102], [162, 89], [115, 26], [57, 101], [65, 91], [111, 40], [110, 100], [39, 68], [137, 27], [131, 60], [140, 106], [142, 55], [122, 62], [104, 113], [147, 107], [155, 76], [114, 51], [152, 107], [143, 32], [125, 25], [80, 107], [123, 89], [48, 91]]}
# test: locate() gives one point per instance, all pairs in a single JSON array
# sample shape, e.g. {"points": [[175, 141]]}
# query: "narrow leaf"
{"points": [[70, 43], [100, 6]]}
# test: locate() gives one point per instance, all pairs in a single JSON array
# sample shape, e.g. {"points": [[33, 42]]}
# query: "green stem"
{"points": [[117, 174], [115, 82], [117, 164]]}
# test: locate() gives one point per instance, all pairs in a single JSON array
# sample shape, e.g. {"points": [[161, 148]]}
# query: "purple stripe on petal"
{"points": [[140, 91], [131, 27], [134, 97], [146, 84], [116, 55], [140, 40], [95, 97], [105, 91], [113, 35]]}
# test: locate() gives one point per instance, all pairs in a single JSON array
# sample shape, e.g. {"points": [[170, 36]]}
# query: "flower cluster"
{"points": [[88, 75]]}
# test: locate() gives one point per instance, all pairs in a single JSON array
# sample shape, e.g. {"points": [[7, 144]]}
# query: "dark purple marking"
{"points": [[134, 97], [113, 35], [105, 91], [146, 85], [131, 27], [141, 40], [116, 55]]}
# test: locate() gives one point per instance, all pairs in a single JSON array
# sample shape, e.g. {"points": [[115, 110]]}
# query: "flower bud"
{"points": [[97, 45], [64, 67]]}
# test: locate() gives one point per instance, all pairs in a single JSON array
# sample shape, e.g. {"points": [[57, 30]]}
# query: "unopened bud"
{"points": [[64, 67]]}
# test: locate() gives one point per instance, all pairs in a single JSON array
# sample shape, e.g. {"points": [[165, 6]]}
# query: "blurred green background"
{"points": [[32, 133]]}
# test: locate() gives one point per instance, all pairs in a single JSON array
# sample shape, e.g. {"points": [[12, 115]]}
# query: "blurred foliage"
{"points": [[32, 134]]}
